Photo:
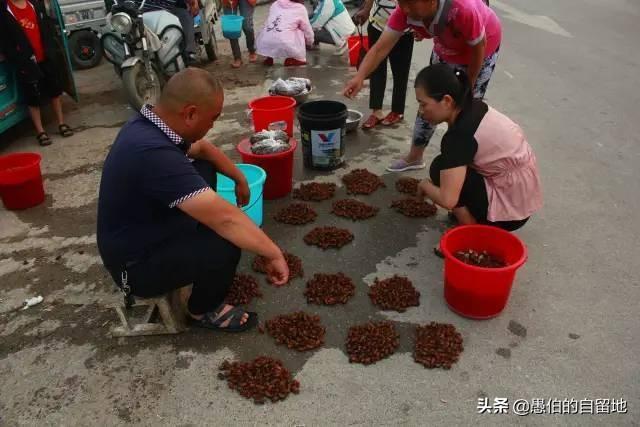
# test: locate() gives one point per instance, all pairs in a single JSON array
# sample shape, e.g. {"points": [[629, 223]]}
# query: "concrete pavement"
{"points": [[567, 74]]}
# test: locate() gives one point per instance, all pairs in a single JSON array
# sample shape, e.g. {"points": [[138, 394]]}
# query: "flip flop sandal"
{"points": [[371, 122], [392, 119], [212, 321], [65, 131], [43, 139]]}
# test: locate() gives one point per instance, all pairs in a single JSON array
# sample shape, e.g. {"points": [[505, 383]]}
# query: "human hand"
{"points": [[361, 16], [352, 87], [277, 270], [243, 194], [422, 189]]}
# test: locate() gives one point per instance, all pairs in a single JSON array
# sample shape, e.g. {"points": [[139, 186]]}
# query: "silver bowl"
{"points": [[353, 120]]}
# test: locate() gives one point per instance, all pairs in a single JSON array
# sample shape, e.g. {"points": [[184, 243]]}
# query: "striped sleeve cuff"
{"points": [[187, 197]]}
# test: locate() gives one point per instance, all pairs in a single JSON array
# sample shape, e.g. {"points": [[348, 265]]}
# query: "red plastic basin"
{"points": [[480, 292], [273, 113], [278, 166], [21, 181]]}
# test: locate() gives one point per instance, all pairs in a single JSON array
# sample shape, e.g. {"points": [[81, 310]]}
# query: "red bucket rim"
{"points": [[34, 160], [292, 141], [461, 228], [35, 156], [291, 104]]}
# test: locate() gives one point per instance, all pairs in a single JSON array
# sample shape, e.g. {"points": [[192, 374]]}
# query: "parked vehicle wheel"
{"points": [[139, 89], [85, 49]]}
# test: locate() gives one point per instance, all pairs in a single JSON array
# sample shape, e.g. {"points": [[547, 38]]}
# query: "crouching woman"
{"points": [[486, 172]]}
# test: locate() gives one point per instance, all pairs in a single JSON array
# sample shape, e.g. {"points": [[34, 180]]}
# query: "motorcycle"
{"points": [[145, 49], [204, 24]]}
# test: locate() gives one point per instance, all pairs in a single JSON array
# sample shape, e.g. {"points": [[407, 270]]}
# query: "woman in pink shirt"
{"points": [[286, 33], [466, 36], [486, 172]]}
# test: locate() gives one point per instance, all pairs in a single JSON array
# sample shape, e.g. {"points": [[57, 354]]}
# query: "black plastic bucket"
{"points": [[323, 128]]}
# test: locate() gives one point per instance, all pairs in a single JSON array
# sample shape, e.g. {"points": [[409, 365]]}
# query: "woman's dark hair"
{"points": [[439, 80]]}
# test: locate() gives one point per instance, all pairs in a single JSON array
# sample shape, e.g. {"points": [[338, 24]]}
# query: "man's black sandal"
{"points": [[213, 321]]}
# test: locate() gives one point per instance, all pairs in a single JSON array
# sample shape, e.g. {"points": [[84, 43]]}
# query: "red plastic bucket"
{"points": [[479, 292], [278, 166], [273, 113], [355, 46], [21, 181]]}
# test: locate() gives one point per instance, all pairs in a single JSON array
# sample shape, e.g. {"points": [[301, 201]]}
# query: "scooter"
{"points": [[145, 49]]}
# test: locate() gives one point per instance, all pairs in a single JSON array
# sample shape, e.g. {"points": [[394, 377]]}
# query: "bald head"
{"points": [[190, 103], [191, 86]]}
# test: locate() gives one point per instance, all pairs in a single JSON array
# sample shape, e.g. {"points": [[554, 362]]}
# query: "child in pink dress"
{"points": [[486, 172], [286, 33]]}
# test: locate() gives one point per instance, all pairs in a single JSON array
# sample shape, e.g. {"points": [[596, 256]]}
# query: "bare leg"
{"points": [[415, 154], [378, 113], [57, 109], [463, 216], [36, 118]]}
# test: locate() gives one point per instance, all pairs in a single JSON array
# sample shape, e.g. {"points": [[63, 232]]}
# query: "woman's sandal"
{"points": [[43, 139], [392, 119], [65, 130], [214, 321], [371, 122]]}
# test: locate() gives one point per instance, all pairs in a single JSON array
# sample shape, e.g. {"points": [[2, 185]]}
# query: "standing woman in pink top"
{"points": [[286, 33], [486, 172], [466, 36]]}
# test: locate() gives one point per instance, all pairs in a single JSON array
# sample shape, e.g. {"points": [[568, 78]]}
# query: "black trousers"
{"points": [[474, 197], [400, 59], [200, 257], [41, 91]]}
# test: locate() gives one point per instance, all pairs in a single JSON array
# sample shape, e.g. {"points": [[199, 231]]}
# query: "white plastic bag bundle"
{"points": [[269, 146], [293, 86], [269, 142]]}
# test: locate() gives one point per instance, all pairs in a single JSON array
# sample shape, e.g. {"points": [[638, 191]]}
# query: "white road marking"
{"points": [[540, 22], [509, 74]]}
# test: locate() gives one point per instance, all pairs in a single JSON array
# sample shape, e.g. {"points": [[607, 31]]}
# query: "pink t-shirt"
{"points": [[469, 21]]}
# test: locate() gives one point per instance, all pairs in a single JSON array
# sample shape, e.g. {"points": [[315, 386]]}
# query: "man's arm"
{"points": [[204, 150], [477, 59], [229, 222], [362, 16]]}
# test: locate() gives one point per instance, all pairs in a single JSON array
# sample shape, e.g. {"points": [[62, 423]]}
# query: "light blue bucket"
{"points": [[232, 26], [255, 177]]}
